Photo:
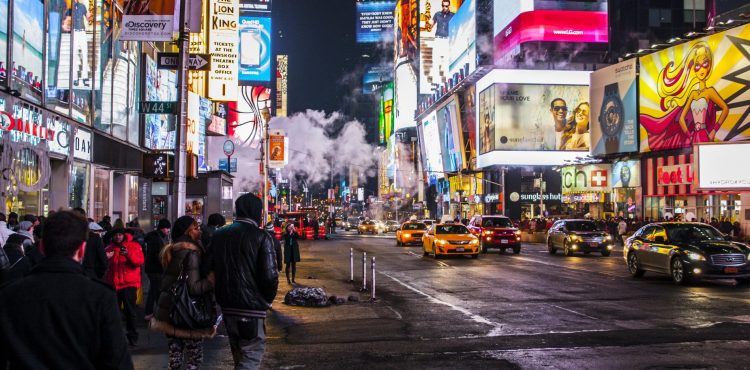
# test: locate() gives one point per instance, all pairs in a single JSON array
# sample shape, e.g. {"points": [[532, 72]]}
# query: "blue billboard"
{"points": [[375, 21], [255, 49]]}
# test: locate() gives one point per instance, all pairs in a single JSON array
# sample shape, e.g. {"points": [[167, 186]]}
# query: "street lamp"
{"points": [[266, 114]]}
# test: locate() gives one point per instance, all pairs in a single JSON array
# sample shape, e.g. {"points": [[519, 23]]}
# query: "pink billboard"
{"points": [[554, 26]]}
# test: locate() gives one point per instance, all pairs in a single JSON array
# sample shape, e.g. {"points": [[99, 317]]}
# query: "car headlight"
{"points": [[487, 232], [518, 232], [608, 237], [695, 256], [475, 242], [574, 237], [407, 235], [441, 242]]}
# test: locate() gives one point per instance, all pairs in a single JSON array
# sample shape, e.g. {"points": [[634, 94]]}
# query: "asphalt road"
{"points": [[529, 311]]}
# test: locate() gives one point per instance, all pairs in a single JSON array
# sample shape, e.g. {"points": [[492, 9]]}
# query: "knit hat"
{"points": [[164, 224], [269, 227], [25, 225], [181, 226]]}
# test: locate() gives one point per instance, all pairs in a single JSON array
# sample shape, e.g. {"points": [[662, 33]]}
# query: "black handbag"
{"points": [[190, 312]]}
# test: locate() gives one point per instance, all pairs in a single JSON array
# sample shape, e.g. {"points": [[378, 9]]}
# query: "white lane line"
{"points": [[567, 267], [398, 315], [574, 312], [496, 327]]}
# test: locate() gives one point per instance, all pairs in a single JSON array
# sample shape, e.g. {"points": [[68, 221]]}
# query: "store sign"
{"points": [[223, 40], [715, 172], [154, 21], [534, 197], [679, 174], [626, 174], [491, 198], [25, 122], [583, 198], [82, 145], [586, 178]]}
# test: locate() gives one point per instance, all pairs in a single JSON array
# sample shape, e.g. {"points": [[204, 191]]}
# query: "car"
{"points": [[392, 225], [450, 239], [339, 222], [578, 235], [428, 222], [410, 233], [496, 232], [686, 251], [368, 226], [351, 223]]}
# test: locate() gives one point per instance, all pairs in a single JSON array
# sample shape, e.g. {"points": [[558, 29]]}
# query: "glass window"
{"points": [[581, 226], [132, 198], [58, 57], [496, 222], [79, 185], [414, 226], [3, 40], [161, 85], [134, 83], [78, 22], [451, 229], [101, 193], [104, 67], [28, 45]]}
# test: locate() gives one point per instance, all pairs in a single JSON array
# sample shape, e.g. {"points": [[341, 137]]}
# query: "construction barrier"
{"points": [[309, 233], [277, 232], [321, 232]]}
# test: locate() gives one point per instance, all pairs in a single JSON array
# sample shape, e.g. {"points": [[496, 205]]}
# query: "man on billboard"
{"points": [[441, 20], [559, 110]]}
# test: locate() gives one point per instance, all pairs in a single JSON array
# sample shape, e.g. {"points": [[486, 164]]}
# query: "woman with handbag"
{"points": [[184, 311]]}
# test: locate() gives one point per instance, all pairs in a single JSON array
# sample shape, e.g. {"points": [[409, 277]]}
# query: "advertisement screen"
{"points": [[462, 38], [387, 112], [375, 21], [614, 109], [149, 20], [405, 105], [715, 172], [255, 49], [160, 85], [251, 100], [28, 44], [694, 93], [256, 5], [433, 159], [451, 147], [222, 45], [626, 174], [375, 76], [434, 48], [534, 117], [405, 31]]}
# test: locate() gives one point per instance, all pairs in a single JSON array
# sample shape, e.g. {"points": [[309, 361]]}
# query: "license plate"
{"points": [[593, 244], [459, 249], [418, 239], [503, 241], [731, 270]]}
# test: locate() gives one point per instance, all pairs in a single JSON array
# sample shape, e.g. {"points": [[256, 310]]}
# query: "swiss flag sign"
{"points": [[599, 178]]}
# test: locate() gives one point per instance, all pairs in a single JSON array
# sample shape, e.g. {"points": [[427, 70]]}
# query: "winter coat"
{"points": [[277, 250], [20, 264], [188, 255], [124, 271], [5, 232], [291, 248], [94, 258], [155, 242]]}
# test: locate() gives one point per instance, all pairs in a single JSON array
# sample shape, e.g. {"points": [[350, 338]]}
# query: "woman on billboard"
{"points": [[690, 103], [576, 136]]}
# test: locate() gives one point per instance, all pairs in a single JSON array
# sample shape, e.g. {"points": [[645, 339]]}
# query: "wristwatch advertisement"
{"points": [[611, 118]]}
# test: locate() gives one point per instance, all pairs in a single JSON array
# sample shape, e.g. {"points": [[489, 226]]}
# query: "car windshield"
{"points": [[368, 223], [411, 226], [352, 220], [497, 222], [451, 229], [581, 226], [692, 233]]}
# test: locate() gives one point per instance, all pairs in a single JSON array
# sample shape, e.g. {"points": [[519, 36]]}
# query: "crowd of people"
{"points": [[86, 278]]}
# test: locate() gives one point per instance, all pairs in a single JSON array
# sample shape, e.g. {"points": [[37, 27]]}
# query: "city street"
{"points": [[531, 311]]}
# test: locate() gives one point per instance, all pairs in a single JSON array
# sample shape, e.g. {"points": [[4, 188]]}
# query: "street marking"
{"points": [[496, 331], [568, 267], [443, 264], [398, 315], [574, 312]]}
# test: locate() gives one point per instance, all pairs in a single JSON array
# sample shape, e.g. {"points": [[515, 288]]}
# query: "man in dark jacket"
{"points": [[60, 318], [215, 221], [155, 242], [95, 260], [243, 262]]}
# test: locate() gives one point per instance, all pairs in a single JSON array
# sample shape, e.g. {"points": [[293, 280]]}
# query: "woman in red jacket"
{"points": [[124, 273]]}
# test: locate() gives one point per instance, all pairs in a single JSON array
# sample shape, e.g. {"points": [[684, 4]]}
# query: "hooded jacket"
{"points": [[242, 258], [124, 271]]}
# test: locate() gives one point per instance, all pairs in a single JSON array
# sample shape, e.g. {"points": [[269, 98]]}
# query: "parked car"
{"points": [[578, 236], [496, 232], [351, 223], [368, 226], [392, 226], [686, 251], [450, 239], [410, 233]]}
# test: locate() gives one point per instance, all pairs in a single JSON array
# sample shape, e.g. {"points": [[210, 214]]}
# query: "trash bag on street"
{"points": [[307, 297]]}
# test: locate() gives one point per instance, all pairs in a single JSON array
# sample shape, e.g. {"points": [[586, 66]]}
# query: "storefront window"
{"points": [[104, 67], [79, 185], [28, 47], [101, 193], [132, 197]]}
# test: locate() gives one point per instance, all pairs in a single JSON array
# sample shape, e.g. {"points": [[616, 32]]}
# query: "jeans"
{"points": [[126, 299], [185, 351], [154, 285], [247, 338]]}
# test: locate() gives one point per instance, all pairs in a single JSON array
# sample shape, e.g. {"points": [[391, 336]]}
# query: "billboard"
{"points": [[715, 172], [434, 48], [593, 177], [405, 31], [160, 85], [255, 49], [277, 149], [462, 38], [375, 76], [149, 20], [449, 128], [695, 92], [433, 159], [222, 45], [28, 45], [375, 21], [261, 6], [282, 90], [386, 110], [251, 100], [534, 117], [405, 90], [614, 109], [626, 174]]}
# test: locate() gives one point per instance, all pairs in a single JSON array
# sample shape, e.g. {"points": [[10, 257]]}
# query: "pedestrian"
{"points": [[95, 260], [19, 264], [59, 318], [183, 256], [24, 238], [215, 221], [124, 274], [4, 230], [106, 223], [291, 252], [155, 240], [242, 261], [134, 228], [13, 221], [622, 228], [276, 244]]}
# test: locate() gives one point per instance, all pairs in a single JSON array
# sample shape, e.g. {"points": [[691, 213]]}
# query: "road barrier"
{"points": [[364, 272], [372, 268], [351, 265]]}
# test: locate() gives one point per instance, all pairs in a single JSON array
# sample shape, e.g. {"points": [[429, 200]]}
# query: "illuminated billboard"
{"points": [[375, 76], [148, 20], [433, 159], [553, 21], [375, 21], [255, 49], [386, 112], [160, 85], [434, 48], [28, 45], [251, 101], [282, 85], [614, 109], [405, 31], [222, 33], [695, 93], [405, 105], [449, 128], [462, 38]]}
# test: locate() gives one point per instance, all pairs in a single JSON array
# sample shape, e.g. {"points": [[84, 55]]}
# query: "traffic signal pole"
{"points": [[180, 165]]}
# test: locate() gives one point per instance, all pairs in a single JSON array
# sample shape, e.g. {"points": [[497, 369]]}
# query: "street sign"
{"points": [[228, 148], [232, 166], [158, 107], [196, 62]]}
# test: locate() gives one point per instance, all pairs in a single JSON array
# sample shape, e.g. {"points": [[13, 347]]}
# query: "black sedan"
{"points": [[686, 251], [578, 236]]}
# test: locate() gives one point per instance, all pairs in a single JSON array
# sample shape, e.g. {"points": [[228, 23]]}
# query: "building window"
{"points": [[132, 197], [79, 185], [101, 193], [659, 17]]}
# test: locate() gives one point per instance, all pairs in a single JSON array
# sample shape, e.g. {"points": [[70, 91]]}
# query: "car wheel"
{"points": [[550, 248], [634, 266], [605, 252], [516, 250], [566, 250], [678, 271]]}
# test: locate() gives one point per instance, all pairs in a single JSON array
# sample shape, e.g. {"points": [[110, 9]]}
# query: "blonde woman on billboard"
{"points": [[577, 136], [691, 104]]}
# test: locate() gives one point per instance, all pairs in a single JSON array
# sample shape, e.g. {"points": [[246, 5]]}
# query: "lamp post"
{"points": [[266, 113]]}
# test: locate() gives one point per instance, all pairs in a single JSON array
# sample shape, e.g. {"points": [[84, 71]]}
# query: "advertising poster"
{"points": [[614, 109], [255, 49], [450, 139], [251, 100], [594, 177], [149, 20], [375, 76], [193, 121], [206, 117], [194, 208], [433, 157], [462, 38], [282, 87], [223, 19], [218, 124], [534, 117], [276, 149], [468, 120], [405, 31], [375, 21], [387, 112], [434, 48], [160, 85], [405, 91], [626, 174], [28, 44], [715, 172], [263, 6], [695, 93]]}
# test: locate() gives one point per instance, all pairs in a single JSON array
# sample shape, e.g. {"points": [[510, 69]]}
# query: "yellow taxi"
{"points": [[410, 233], [368, 226], [450, 239]]}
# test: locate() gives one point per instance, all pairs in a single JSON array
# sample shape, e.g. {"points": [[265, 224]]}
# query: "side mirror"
{"points": [[660, 239]]}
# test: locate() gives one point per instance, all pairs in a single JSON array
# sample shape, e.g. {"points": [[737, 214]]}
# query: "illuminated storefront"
{"points": [[586, 190]]}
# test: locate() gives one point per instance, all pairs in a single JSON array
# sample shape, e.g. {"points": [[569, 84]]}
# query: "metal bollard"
{"points": [[372, 268], [364, 271], [351, 265]]}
